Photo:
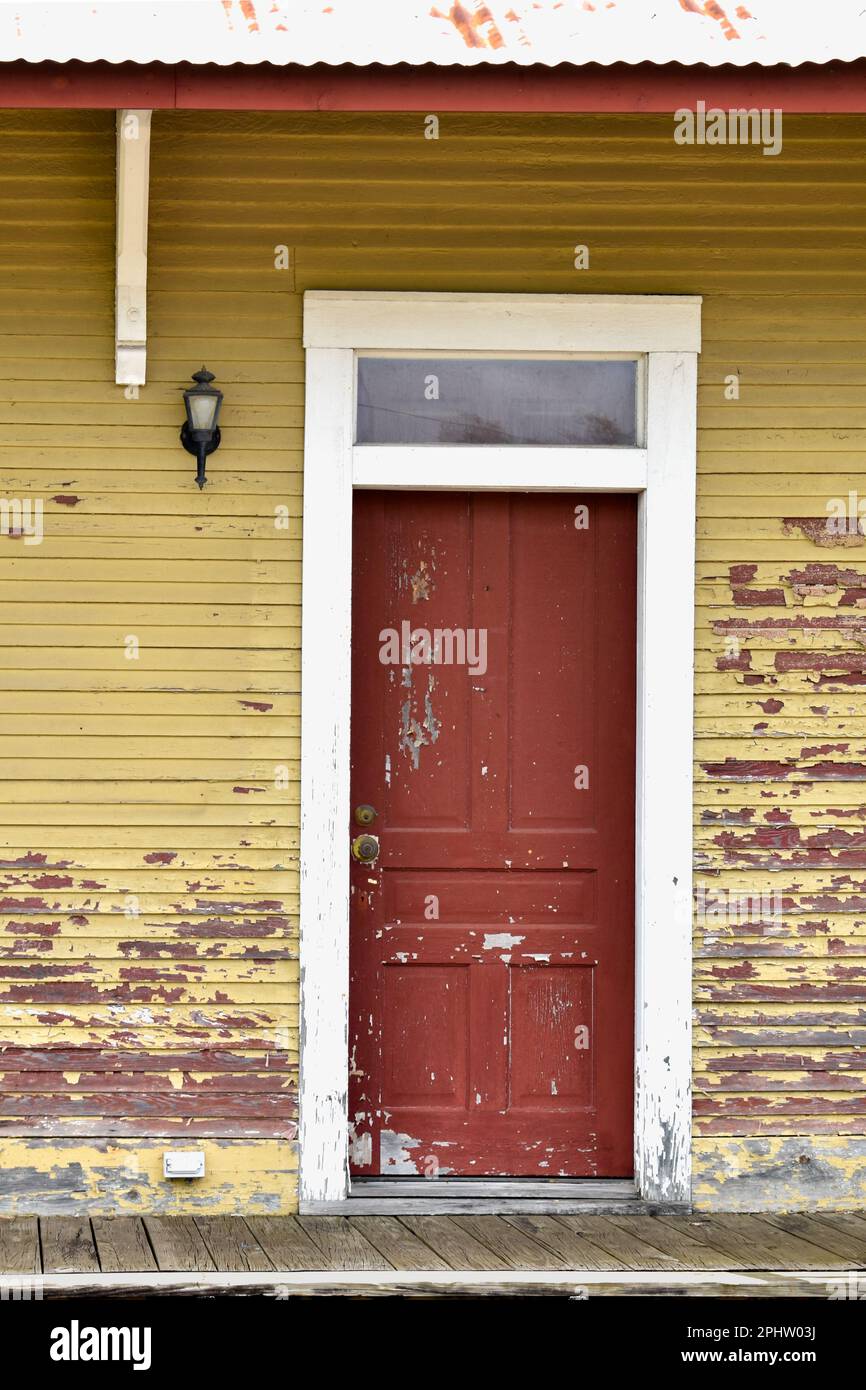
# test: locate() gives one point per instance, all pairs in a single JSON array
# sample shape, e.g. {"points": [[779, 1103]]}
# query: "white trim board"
{"points": [[581, 1283], [469, 468], [581, 323], [130, 294], [337, 326]]}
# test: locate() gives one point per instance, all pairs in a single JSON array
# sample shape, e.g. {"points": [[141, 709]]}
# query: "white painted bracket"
{"points": [[130, 300]]}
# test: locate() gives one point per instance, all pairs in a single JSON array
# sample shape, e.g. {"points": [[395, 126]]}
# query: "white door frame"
{"points": [[665, 330]]}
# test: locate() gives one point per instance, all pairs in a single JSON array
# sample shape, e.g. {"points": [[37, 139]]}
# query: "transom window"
{"points": [[499, 400]]}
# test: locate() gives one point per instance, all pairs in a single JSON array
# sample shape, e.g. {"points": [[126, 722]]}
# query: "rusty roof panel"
{"points": [[543, 32]]}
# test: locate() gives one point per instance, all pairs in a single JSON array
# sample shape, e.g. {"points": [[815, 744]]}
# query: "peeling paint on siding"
{"points": [[154, 780]]}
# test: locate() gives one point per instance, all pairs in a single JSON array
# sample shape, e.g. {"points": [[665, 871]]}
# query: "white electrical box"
{"points": [[185, 1163]]}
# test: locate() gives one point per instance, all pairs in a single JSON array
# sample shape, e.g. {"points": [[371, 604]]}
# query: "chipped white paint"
{"points": [[325, 682], [361, 1148], [501, 941], [396, 1152], [666, 577], [667, 329]]}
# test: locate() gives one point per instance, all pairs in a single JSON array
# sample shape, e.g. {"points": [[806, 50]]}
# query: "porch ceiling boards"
{"points": [[732, 1255]]}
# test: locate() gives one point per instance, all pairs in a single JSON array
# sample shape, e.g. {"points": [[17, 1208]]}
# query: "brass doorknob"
{"points": [[365, 815], [365, 849]]}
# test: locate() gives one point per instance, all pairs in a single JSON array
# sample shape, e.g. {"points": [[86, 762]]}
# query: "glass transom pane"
{"points": [[497, 400]]}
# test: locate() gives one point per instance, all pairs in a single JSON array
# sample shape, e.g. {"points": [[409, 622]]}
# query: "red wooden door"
{"points": [[492, 942]]}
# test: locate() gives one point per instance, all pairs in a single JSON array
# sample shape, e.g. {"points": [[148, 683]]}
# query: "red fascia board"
{"points": [[812, 87]]}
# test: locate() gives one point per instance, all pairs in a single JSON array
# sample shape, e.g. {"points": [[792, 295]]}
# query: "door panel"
{"points": [[493, 713]]}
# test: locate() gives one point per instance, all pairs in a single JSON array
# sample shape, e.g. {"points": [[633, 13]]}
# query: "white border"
{"points": [[337, 325]]}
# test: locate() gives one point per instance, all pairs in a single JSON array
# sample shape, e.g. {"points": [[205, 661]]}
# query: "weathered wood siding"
{"points": [[158, 778], [149, 964]]}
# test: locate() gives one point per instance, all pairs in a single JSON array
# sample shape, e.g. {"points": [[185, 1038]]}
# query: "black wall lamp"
{"points": [[199, 433]]}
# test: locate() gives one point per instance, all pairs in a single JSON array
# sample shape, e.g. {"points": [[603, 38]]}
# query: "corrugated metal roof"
{"points": [[545, 32]]}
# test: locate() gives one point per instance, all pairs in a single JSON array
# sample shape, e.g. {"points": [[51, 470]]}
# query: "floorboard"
{"points": [[836, 1238], [674, 1239], [516, 1248], [779, 1249], [67, 1245], [850, 1222], [177, 1243], [578, 1253], [731, 1254], [19, 1245], [122, 1245], [452, 1243], [231, 1244], [342, 1243], [753, 1244], [633, 1252], [397, 1244], [286, 1245]]}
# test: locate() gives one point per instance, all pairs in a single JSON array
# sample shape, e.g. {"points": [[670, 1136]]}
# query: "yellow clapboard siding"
{"points": [[818, 793], [204, 960], [253, 773], [174, 987], [187, 796], [794, 706], [217, 691], [210, 849], [237, 462], [782, 728], [146, 898], [159, 745], [130, 758], [153, 662], [231, 482], [722, 973], [166, 526], [225, 597], [240, 554], [240, 727], [234, 712], [28, 633], [72, 1035], [53, 566], [185, 821], [43, 925], [57, 883], [124, 1176], [716, 946], [93, 390], [819, 484]]}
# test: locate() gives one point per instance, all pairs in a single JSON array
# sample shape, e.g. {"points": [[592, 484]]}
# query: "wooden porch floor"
{"points": [[728, 1255]]}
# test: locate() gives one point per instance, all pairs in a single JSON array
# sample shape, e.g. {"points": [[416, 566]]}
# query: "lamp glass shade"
{"points": [[202, 408], [202, 403]]}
